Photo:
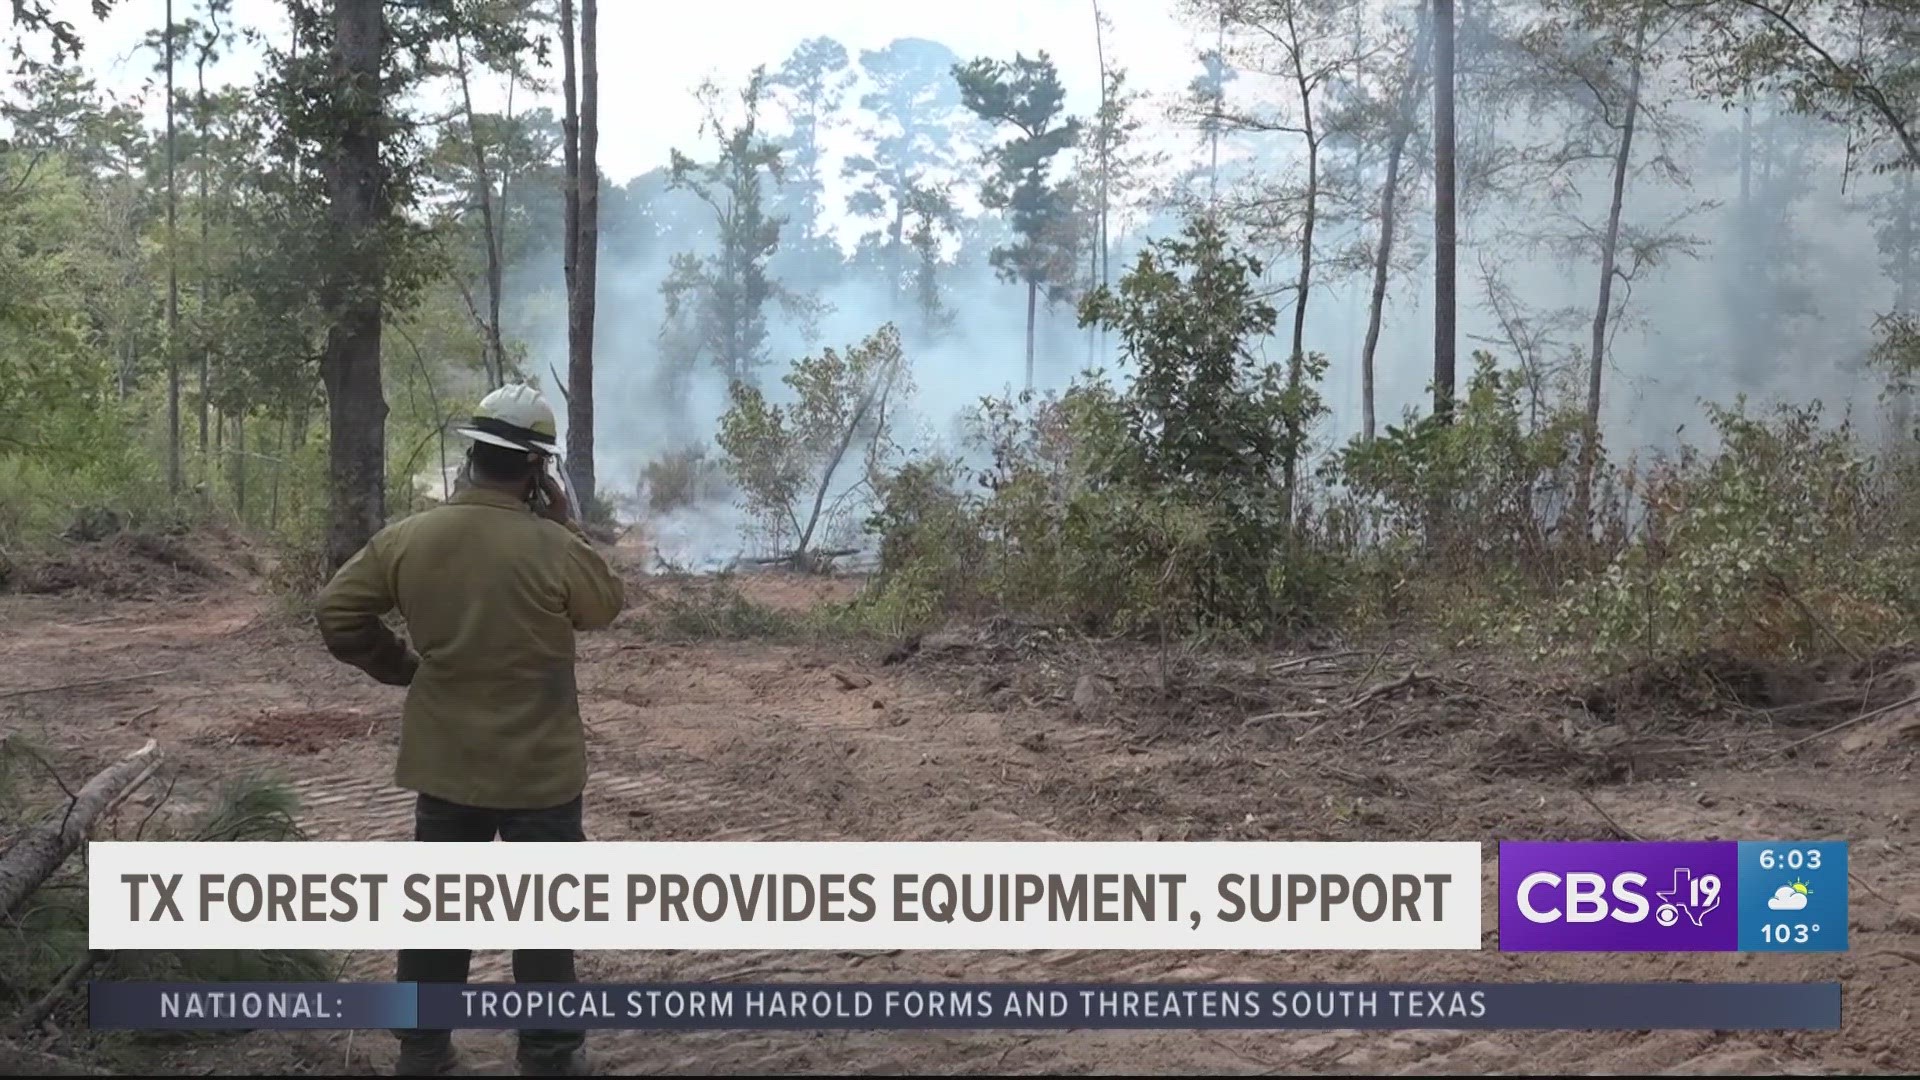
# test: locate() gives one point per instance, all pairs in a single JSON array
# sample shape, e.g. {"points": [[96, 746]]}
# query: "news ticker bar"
{"points": [[1694, 896], [967, 1006]]}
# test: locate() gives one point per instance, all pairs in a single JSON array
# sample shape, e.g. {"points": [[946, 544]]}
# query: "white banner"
{"points": [[384, 896]]}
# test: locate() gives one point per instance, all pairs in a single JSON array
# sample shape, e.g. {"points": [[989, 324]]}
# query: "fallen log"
{"points": [[85, 682], [40, 850], [50, 1001], [1411, 678], [1843, 725], [804, 558], [853, 681], [19, 1060]]}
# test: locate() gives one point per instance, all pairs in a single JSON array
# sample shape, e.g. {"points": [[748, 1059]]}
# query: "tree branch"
{"points": [[1848, 81]]}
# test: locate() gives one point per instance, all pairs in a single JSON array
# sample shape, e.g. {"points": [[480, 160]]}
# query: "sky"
{"points": [[653, 53]]}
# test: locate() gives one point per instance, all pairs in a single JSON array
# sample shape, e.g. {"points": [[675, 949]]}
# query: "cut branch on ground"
{"points": [[37, 853]]}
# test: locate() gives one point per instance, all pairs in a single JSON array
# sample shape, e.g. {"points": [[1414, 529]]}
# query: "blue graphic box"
{"points": [[1793, 896]]}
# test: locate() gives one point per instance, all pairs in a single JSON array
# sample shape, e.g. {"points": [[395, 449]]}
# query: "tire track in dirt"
{"points": [[758, 742], [366, 808], [1009, 808], [680, 797], [769, 751]]}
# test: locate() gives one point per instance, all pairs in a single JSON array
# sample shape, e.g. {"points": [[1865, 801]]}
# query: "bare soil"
{"points": [[1010, 732]]}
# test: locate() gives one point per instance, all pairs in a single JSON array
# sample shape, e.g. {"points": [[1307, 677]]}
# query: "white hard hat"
{"points": [[517, 417]]}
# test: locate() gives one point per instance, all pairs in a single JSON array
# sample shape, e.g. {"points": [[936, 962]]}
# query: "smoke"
{"points": [[704, 538], [1744, 273]]}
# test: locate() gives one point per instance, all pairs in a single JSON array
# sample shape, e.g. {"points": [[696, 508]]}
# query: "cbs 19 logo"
{"points": [[1587, 897]]}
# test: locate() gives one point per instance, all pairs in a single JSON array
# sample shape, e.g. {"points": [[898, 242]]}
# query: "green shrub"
{"points": [[792, 462], [45, 496], [1162, 507], [905, 602], [1776, 544], [1488, 489], [713, 609], [1051, 531], [931, 545], [684, 477]]}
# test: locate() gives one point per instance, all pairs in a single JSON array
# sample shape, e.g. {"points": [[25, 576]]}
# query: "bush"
{"points": [[714, 610], [931, 546], [44, 497], [791, 462], [1777, 544], [1163, 507], [908, 601], [1048, 534], [684, 477], [1487, 490]]}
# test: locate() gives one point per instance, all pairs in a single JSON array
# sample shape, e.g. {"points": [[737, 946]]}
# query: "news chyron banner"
{"points": [[1252, 897], [834, 896]]}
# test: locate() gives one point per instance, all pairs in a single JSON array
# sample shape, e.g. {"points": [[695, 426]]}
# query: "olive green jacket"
{"points": [[492, 594]]}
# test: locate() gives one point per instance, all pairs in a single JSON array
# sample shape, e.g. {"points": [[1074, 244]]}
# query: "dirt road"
{"points": [[717, 741]]}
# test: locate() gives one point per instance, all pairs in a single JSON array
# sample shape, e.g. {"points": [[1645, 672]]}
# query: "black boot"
{"points": [[554, 1061], [426, 1057]]}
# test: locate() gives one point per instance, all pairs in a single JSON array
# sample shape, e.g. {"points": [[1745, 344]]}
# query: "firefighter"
{"points": [[493, 586]]}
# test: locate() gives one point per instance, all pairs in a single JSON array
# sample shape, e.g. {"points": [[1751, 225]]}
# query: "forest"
{"points": [[1439, 404], [1166, 313], [1360, 306]]}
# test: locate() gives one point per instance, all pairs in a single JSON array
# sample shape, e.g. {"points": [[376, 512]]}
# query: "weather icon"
{"points": [[1790, 897]]}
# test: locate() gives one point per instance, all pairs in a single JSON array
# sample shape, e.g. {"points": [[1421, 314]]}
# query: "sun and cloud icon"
{"points": [[1790, 897]]}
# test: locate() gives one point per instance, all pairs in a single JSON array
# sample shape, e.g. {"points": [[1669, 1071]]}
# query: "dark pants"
{"points": [[439, 821]]}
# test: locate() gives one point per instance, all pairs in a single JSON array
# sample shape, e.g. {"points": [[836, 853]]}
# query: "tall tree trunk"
{"points": [[1296, 360], [301, 415], [1907, 300], [1769, 143], [1106, 136], [503, 209], [1749, 334], [929, 289], [1746, 159], [896, 240], [1107, 133], [586, 259], [570, 153], [173, 285], [1033, 297], [1609, 251], [1219, 106], [350, 366], [1093, 279], [273, 497], [483, 190], [1093, 282], [206, 271], [1902, 231], [1389, 200], [286, 439], [240, 465], [1444, 308]]}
